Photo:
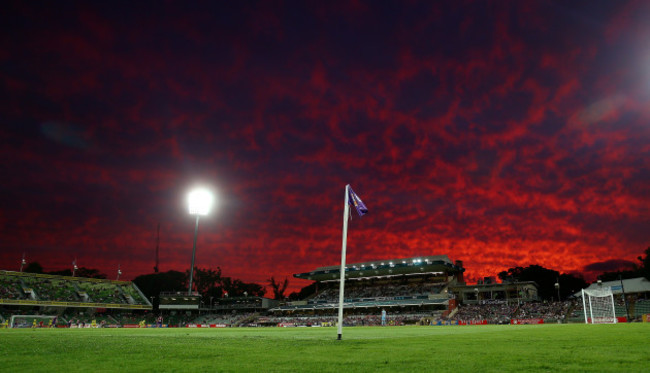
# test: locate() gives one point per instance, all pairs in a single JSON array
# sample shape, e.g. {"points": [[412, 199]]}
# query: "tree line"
{"points": [[568, 284]]}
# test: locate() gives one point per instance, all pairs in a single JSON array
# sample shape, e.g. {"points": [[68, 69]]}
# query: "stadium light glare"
{"points": [[200, 201]]}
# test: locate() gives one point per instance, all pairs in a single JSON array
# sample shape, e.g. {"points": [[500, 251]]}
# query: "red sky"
{"points": [[498, 133]]}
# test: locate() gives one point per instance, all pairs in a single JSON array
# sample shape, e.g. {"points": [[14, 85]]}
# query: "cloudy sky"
{"points": [[498, 133]]}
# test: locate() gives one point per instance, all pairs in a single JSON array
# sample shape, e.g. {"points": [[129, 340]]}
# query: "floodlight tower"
{"points": [[119, 273], [74, 267], [22, 263], [199, 201]]}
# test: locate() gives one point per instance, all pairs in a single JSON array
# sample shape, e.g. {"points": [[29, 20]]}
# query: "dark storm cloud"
{"points": [[499, 133], [609, 266]]}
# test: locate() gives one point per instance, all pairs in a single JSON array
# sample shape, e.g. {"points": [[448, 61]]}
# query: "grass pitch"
{"points": [[522, 348]]}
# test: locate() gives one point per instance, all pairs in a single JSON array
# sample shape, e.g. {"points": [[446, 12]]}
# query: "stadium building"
{"points": [[418, 286]]}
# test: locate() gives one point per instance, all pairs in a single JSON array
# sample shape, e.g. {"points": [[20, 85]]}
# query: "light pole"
{"points": [[74, 268], [22, 263], [119, 272], [200, 202], [557, 287]]}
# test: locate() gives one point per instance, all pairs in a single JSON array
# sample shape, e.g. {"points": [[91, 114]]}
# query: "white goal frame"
{"points": [[30, 319], [598, 306]]}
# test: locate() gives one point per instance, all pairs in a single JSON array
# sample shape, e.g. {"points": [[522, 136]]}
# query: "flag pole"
{"points": [[346, 213]]}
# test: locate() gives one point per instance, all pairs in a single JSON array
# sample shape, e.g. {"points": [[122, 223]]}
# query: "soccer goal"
{"points": [[32, 321], [598, 305]]}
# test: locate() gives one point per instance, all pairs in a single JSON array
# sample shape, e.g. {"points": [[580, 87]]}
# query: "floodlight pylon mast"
{"points": [[22, 263], [627, 307], [155, 268], [196, 232], [200, 201]]}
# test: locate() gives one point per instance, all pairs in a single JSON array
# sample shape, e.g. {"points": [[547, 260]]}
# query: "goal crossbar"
{"points": [[598, 306], [29, 320]]}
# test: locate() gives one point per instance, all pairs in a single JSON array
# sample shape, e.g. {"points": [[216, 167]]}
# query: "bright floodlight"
{"points": [[200, 201]]}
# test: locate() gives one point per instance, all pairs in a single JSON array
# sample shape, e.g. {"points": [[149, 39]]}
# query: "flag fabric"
{"points": [[355, 201]]}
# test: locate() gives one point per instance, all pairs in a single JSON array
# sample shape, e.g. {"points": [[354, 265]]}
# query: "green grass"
{"points": [[521, 348]]}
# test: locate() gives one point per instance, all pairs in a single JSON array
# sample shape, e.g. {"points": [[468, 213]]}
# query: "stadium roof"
{"points": [[436, 264], [631, 286]]}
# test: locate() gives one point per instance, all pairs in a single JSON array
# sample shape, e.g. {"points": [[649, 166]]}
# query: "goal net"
{"points": [[32, 321], [598, 306]]}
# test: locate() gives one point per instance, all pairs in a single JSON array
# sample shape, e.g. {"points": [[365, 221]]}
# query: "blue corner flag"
{"points": [[355, 201]]}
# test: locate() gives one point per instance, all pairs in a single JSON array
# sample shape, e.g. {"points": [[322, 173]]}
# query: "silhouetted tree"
{"points": [[570, 284], [278, 288], [65, 272], [81, 272], [543, 277], [33, 267], [206, 282], [645, 264], [210, 283], [152, 284], [238, 288], [304, 292], [545, 280], [90, 273]]}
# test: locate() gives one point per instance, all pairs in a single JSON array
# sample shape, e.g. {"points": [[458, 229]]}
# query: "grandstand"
{"points": [[491, 292], [179, 300], [31, 289], [426, 290], [409, 289]]}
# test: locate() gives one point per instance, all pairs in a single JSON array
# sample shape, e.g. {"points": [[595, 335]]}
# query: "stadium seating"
{"points": [[40, 289], [364, 319], [360, 291], [549, 311], [492, 313], [51, 289], [11, 287], [641, 307], [230, 319]]}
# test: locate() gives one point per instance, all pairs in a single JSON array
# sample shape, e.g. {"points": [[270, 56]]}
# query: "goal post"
{"points": [[32, 321], [598, 306]]}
